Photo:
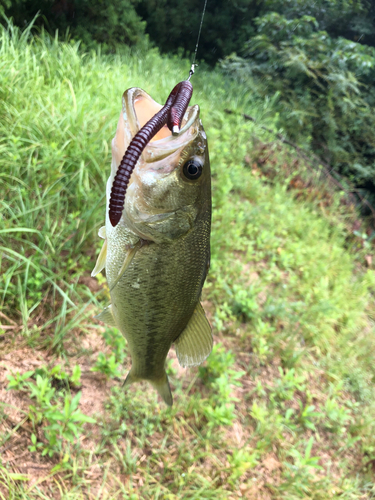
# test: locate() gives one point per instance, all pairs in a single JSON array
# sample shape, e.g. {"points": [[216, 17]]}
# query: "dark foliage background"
{"points": [[316, 60], [324, 90], [173, 24], [91, 21], [228, 24]]}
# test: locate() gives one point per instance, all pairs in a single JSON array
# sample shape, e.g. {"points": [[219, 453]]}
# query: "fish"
{"points": [[157, 257]]}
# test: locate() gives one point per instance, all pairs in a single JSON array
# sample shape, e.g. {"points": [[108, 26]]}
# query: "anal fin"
{"points": [[107, 316], [195, 342]]}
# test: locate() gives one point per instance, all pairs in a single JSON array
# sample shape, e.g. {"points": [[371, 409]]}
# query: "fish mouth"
{"points": [[139, 108]]}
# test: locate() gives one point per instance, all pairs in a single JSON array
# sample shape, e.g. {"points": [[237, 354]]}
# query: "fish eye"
{"points": [[193, 169]]}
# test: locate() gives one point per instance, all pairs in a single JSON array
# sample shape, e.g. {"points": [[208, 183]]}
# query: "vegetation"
{"points": [[92, 22], [317, 58], [324, 91], [228, 25], [349, 19], [283, 407]]}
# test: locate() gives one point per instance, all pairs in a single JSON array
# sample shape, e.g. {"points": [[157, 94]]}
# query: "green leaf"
{"points": [[17, 477]]}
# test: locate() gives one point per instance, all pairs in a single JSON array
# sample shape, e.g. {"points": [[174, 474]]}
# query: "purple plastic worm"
{"points": [[171, 114]]}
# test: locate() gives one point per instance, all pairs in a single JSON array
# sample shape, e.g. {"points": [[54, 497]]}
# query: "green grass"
{"points": [[284, 406]]}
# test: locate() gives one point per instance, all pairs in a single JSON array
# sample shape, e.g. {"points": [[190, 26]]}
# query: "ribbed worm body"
{"points": [[179, 105], [171, 114]]}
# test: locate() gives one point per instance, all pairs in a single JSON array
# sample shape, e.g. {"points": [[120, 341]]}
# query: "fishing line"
{"points": [[192, 69]]}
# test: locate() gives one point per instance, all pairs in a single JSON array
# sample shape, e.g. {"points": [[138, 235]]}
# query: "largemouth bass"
{"points": [[157, 257]]}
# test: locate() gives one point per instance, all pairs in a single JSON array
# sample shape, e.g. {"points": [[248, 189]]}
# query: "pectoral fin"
{"points": [[100, 263], [195, 342], [127, 261], [107, 316], [101, 232]]}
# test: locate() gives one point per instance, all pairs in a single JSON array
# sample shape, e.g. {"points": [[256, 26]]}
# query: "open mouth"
{"points": [[139, 107], [141, 120]]}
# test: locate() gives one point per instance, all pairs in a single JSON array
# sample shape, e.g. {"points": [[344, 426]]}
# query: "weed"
{"points": [[55, 412], [337, 417], [300, 475], [18, 380], [307, 416], [290, 300], [287, 384], [222, 378], [107, 365], [115, 340], [64, 422], [111, 365], [240, 461], [269, 425]]}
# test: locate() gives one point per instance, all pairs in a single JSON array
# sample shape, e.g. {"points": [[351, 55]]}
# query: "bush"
{"points": [[174, 24], [351, 20], [91, 21], [324, 86]]}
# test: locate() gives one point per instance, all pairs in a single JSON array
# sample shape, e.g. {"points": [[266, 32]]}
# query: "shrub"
{"points": [[324, 86], [91, 21]]}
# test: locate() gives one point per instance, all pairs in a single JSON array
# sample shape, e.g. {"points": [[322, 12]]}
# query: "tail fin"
{"points": [[162, 386], [129, 380]]}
